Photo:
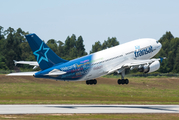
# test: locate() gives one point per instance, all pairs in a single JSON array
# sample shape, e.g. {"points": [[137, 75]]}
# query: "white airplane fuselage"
{"points": [[103, 62]]}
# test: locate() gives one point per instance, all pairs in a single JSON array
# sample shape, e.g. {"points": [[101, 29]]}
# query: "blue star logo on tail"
{"points": [[41, 53]]}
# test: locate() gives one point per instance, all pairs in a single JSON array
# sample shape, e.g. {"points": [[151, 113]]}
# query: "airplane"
{"points": [[136, 54]]}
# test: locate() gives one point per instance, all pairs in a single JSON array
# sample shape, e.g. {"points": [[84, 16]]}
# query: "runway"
{"points": [[82, 109]]}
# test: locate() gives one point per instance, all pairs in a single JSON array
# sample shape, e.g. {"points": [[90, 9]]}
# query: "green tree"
{"points": [[104, 45], [67, 47], [2, 58], [15, 47], [2, 40], [169, 50], [72, 41], [53, 45], [176, 65], [2, 63], [60, 51], [1, 33], [73, 53], [111, 42], [167, 35], [96, 47], [73, 48], [9, 48], [80, 47]]}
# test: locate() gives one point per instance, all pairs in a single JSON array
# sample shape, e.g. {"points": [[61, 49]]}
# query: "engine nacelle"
{"points": [[150, 68]]}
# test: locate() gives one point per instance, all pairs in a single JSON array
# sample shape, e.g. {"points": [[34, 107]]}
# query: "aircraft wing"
{"points": [[134, 62], [140, 62], [33, 63], [22, 74]]}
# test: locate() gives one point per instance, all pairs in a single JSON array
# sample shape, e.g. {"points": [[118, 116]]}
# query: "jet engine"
{"points": [[150, 68]]}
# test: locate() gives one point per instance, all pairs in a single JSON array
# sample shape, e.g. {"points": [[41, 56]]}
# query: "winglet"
{"points": [[161, 59], [15, 62]]}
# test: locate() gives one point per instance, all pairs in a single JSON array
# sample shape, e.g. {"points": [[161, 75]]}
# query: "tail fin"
{"points": [[44, 55]]}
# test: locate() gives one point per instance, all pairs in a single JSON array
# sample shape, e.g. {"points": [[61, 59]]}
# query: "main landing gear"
{"points": [[122, 80], [90, 82]]}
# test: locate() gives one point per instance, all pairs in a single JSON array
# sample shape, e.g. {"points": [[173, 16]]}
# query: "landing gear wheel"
{"points": [[94, 81], [119, 81], [91, 82], [87, 82], [123, 81], [126, 81]]}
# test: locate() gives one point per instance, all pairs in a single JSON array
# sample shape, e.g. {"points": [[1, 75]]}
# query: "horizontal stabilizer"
{"points": [[22, 74], [33, 63]]}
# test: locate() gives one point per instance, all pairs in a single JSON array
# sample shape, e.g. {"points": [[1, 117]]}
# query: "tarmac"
{"points": [[85, 109]]}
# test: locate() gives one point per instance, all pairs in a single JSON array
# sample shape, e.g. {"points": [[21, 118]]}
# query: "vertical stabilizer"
{"points": [[44, 55]]}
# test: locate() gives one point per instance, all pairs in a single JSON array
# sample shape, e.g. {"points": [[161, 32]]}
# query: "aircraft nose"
{"points": [[160, 45]]}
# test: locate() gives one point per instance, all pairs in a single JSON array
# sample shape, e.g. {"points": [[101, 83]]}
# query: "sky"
{"points": [[94, 20]]}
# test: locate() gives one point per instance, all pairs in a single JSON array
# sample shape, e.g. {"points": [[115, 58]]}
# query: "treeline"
{"points": [[170, 49], [111, 42], [14, 46]]}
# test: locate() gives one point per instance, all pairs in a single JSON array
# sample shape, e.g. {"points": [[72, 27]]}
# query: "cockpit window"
{"points": [[157, 42]]}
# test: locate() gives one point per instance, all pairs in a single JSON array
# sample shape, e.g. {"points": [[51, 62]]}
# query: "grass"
{"points": [[93, 117], [29, 90]]}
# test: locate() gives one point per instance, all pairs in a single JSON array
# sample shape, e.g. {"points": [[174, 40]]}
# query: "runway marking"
{"points": [[84, 109]]}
